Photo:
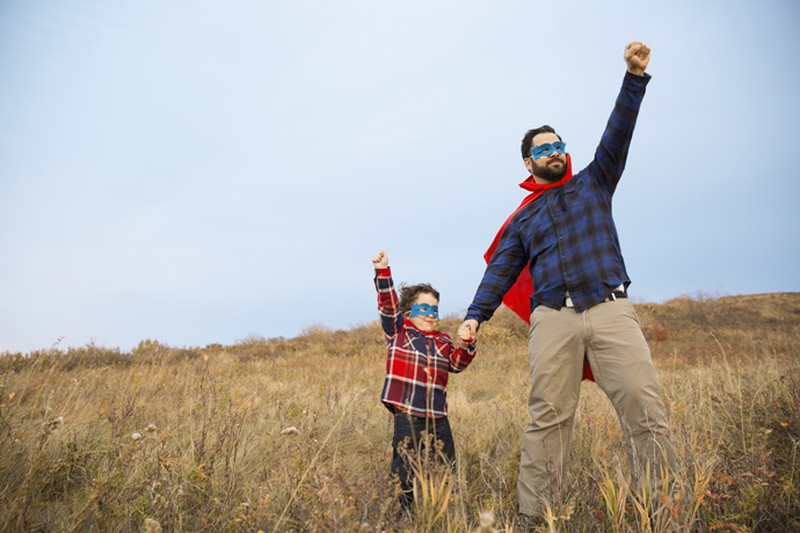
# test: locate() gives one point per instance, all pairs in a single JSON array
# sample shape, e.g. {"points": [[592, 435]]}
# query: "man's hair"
{"points": [[409, 294], [527, 141]]}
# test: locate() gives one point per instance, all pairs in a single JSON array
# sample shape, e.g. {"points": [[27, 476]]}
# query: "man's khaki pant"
{"points": [[609, 335]]}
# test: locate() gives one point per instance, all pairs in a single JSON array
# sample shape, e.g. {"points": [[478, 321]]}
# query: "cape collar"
{"points": [[531, 185]]}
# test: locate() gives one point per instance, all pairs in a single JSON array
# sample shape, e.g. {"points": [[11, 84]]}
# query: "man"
{"points": [[564, 235]]}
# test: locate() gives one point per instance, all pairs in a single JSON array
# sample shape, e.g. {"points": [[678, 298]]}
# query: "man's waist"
{"points": [[580, 300], [616, 294]]}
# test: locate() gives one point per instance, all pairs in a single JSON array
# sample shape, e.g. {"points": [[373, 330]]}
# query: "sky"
{"points": [[207, 172]]}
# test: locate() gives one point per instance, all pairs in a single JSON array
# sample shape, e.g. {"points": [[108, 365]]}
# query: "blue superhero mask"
{"points": [[425, 310], [546, 149]]}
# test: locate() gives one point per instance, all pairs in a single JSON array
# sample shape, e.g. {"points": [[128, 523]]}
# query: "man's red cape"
{"points": [[518, 296]]}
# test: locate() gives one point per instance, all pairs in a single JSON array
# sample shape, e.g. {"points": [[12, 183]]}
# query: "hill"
{"points": [[288, 434]]}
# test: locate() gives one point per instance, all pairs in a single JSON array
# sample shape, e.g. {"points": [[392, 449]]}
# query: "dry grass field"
{"points": [[289, 435]]}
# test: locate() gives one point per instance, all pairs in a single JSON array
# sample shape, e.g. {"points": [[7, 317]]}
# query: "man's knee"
{"points": [[550, 412]]}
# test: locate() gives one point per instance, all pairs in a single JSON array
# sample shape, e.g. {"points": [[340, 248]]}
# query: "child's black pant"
{"points": [[406, 425]]}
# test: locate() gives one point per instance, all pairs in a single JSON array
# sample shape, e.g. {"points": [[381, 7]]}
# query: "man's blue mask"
{"points": [[546, 149], [425, 310]]}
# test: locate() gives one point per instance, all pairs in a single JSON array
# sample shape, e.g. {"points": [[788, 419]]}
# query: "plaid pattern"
{"points": [[417, 363], [568, 234]]}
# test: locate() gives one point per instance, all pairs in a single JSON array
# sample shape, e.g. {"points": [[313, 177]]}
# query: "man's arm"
{"points": [[612, 152], [502, 271]]}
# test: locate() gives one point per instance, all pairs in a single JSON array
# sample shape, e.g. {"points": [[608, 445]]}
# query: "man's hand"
{"points": [[637, 56], [381, 260], [466, 332]]}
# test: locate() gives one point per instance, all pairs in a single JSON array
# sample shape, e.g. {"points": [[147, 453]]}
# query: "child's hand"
{"points": [[381, 260]]}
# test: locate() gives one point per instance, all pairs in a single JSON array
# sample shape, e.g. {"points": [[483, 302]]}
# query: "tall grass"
{"points": [[201, 438]]}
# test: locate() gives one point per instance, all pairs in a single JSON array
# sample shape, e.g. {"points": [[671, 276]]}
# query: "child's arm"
{"points": [[388, 304], [462, 356]]}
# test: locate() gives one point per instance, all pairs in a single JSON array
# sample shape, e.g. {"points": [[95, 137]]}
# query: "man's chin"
{"points": [[552, 171], [553, 175]]}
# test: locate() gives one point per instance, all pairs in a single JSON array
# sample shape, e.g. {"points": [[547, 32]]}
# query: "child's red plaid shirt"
{"points": [[417, 363]]}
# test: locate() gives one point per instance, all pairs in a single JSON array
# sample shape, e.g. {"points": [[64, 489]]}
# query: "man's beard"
{"points": [[551, 173]]}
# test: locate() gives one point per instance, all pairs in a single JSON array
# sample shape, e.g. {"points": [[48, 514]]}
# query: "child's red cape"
{"points": [[518, 296]]}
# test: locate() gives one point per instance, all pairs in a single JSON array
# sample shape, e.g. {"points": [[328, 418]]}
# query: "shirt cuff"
{"points": [[642, 80], [383, 272]]}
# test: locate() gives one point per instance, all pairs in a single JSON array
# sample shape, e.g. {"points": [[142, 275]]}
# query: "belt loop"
{"points": [[613, 297]]}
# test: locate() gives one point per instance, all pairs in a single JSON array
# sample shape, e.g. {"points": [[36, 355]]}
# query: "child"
{"points": [[418, 361]]}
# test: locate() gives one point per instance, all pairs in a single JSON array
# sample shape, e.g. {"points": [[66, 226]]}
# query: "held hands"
{"points": [[637, 56], [466, 333], [381, 260]]}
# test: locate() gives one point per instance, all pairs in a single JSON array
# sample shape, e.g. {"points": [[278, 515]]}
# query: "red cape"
{"points": [[518, 296]]}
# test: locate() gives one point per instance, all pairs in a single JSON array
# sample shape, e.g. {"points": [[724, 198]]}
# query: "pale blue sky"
{"points": [[199, 172]]}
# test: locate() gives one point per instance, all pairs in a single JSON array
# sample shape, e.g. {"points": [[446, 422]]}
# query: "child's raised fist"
{"points": [[381, 260]]}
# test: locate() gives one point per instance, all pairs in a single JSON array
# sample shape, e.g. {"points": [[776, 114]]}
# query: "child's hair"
{"points": [[408, 295]]}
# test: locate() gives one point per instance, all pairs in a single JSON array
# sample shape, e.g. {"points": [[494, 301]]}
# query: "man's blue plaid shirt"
{"points": [[568, 234]]}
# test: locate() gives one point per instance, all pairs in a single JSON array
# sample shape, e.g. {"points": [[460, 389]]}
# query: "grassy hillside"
{"points": [[288, 434]]}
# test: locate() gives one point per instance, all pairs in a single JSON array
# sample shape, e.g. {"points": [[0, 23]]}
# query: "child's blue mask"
{"points": [[425, 310], [547, 149]]}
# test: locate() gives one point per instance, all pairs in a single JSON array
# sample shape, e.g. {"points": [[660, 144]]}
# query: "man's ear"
{"points": [[529, 165]]}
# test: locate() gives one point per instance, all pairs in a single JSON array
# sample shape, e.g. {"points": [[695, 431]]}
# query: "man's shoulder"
{"points": [[526, 212]]}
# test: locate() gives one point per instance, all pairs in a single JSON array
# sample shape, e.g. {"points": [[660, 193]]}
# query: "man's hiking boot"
{"points": [[527, 524]]}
